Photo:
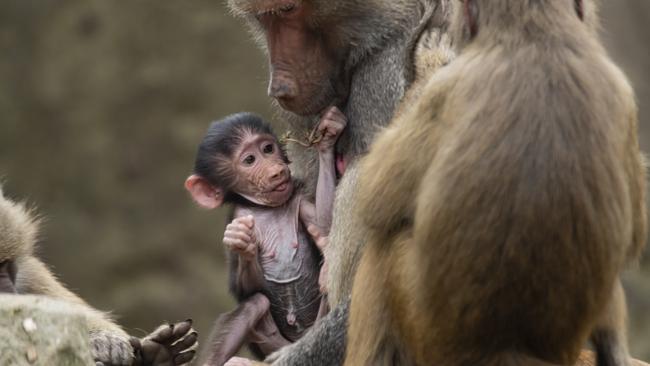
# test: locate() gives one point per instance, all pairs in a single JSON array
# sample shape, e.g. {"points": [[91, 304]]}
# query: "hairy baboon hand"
{"points": [[239, 237], [330, 127], [110, 349], [169, 345]]}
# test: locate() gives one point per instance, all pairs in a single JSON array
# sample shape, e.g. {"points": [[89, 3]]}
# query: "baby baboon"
{"points": [[22, 273], [503, 204], [274, 266]]}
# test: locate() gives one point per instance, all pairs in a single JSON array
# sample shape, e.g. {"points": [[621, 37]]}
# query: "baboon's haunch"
{"points": [[516, 195], [274, 265]]}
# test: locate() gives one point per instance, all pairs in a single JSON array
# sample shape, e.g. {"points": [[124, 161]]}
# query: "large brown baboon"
{"points": [[503, 203], [22, 273], [357, 55]]}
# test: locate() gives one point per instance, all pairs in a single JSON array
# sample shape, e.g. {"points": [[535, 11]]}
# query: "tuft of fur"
{"points": [[18, 229]]}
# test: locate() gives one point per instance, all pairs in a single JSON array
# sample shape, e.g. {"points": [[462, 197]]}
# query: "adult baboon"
{"points": [[22, 273], [357, 55], [516, 192]]}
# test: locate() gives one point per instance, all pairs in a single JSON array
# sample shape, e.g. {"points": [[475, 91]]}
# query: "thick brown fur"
{"points": [[503, 203]]}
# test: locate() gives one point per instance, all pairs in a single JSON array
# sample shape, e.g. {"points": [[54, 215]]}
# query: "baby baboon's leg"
{"points": [[235, 328]]}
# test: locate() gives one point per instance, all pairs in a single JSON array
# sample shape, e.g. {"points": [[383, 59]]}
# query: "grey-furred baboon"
{"points": [[22, 273], [517, 195], [357, 55]]}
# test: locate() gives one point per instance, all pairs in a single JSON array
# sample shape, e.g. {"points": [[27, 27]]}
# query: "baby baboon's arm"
{"points": [[329, 129]]}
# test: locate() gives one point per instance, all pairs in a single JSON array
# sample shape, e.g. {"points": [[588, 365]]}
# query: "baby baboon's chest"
{"points": [[291, 263]]}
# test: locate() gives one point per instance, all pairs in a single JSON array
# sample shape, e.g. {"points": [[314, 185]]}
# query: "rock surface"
{"points": [[36, 330]]}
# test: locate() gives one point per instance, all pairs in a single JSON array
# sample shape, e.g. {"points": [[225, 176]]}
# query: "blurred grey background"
{"points": [[102, 105]]}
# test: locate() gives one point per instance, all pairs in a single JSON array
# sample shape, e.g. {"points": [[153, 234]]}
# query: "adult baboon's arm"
{"points": [[35, 278]]}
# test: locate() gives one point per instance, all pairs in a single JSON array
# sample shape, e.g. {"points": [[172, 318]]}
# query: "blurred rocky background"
{"points": [[102, 104]]}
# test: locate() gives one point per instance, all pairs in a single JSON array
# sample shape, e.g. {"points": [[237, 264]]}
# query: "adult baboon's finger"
{"points": [[185, 343], [181, 329], [184, 357], [162, 334]]}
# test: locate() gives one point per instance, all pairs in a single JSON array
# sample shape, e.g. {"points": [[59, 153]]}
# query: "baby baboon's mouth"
{"points": [[281, 187]]}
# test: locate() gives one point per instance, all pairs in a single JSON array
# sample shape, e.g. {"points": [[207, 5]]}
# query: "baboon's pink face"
{"points": [[263, 175], [305, 65]]}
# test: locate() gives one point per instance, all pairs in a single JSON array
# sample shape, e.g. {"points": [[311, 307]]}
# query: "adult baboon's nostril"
{"points": [[282, 88]]}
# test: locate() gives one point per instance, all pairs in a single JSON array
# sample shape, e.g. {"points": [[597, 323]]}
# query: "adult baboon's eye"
{"points": [[268, 149], [287, 8], [249, 160]]}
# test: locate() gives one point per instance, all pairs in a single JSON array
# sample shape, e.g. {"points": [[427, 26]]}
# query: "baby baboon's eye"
{"points": [[249, 160], [268, 149]]}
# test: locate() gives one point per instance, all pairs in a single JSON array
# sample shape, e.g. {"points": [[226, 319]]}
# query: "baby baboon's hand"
{"points": [[330, 127], [110, 349], [169, 345], [239, 237]]}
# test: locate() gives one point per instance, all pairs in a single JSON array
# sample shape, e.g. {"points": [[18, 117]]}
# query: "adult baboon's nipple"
{"points": [[291, 318], [340, 164]]}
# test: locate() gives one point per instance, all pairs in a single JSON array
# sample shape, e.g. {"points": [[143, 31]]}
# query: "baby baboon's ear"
{"points": [[203, 192]]}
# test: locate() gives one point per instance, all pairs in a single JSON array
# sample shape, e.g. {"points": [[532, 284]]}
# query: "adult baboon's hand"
{"points": [[169, 345]]}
